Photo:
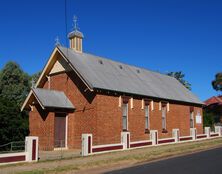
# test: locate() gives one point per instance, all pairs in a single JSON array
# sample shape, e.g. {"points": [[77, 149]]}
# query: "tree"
{"points": [[180, 77], [217, 82], [14, 87], [35, 77], [208, 119], [14, 83]]}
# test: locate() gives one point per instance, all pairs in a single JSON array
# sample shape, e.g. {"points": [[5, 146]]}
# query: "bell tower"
{"points": [[75, 37]]}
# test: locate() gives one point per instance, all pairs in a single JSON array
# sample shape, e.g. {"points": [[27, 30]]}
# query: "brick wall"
{"points": [[110, 120], [101, 115], [41, 124]]}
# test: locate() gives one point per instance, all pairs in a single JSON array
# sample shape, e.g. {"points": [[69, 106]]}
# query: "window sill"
{"points": [[124, 130], [147, 131], [164, 131]]}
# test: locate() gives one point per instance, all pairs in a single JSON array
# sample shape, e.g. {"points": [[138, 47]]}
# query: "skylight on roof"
{"points": [[101, 62]]}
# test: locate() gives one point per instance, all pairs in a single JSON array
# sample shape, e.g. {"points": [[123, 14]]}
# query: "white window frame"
{"points": [[164, 117], [147, 116], [126, 116]]}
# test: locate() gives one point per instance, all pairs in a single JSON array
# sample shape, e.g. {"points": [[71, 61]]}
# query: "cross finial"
{"points": [[33, 83], [57, 41], [75, 27]]}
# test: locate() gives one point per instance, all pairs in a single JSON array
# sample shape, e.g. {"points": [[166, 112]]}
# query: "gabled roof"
{"points": [[214, 100], [52, 99], [102, 73]]}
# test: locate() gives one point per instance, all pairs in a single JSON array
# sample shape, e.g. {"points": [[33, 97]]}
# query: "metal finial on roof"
{"points": [[75, 23], [32, 83], [57, 41]]}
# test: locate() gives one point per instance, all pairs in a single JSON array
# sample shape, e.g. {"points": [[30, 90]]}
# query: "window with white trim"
{"points": [[125, 116], [164, 111], [147, 115], [191, 117]]}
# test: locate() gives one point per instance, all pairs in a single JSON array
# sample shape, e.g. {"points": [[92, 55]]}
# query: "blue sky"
{"points": [[180, 35]]}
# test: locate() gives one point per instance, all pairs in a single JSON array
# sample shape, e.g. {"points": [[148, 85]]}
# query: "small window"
{"points": [[164, 111], [124, 116], [101, 62], [147, 121], [191, 118], [138, 71], [120, 66]]}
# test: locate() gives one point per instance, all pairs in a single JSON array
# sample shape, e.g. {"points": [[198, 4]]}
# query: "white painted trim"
{"points": [[186, 136], [120, 101], [142, 141], [46, 66], [152, 105], [142, 104], [107, 145], [160, 106], [85, 144], [29, 148], [131, 103], [32, 108], [124, 139], [201, 134], [162, 139], [12, 154], [168, 106]]}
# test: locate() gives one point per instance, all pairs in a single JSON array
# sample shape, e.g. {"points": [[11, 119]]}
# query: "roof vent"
{"points": [[138, 71], [120, 66], [101, 62]]}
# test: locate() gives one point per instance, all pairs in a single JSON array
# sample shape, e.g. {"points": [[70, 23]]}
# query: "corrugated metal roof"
{"points": [[214, 100], [52, 99], [75, 33], [102, 73]]}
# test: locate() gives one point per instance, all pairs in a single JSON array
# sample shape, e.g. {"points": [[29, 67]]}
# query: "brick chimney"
{"points": [[75, 38]]}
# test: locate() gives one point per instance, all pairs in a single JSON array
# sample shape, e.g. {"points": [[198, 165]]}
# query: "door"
{"points": [[60, 130]]}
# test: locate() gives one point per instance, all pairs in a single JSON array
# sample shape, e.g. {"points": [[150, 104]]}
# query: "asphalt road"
{"points": [[207, 162]]}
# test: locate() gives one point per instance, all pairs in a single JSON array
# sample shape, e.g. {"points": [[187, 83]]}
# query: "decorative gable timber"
{"points": [[54, 57], [60, 66]]}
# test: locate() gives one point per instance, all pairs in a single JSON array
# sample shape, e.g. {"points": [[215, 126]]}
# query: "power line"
{"points": [[66, 25]]}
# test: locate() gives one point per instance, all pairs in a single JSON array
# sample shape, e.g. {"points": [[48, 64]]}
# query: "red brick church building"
{"points": [[82, 93]]}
